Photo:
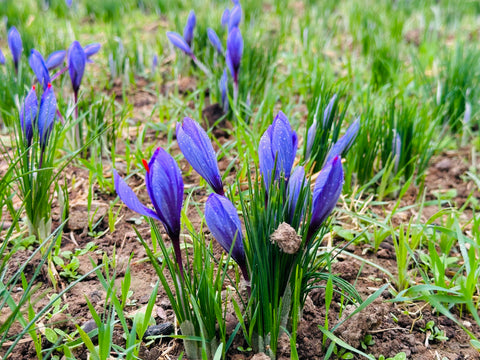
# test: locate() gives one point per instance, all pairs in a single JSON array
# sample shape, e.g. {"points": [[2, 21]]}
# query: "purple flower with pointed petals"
{"points": [[198, 150], [326, 192], [165, 188], [224, 224], [15, 45], [178, 41], [90, 50], [214, 40], [328, 109], [189, 27], [2, 58], [234, 52], [345, 142], [55, 59], [235, 17], [312, 131], [224, 90], [278, 144], [396, 149], [295, 185], [37, 63], [28, 114], [46, 115], [225, 17], [76, 65]]}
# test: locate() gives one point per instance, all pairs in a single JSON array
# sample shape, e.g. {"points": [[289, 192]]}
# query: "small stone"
{"points": [[260, 356], [286, 238], [157, 330], [90, 325]]}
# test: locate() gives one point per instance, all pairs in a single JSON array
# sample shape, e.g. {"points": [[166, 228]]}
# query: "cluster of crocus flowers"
{"points": [[35, 118]]}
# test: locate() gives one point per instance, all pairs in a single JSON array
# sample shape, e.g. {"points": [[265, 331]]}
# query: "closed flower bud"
{"points": [[37, 63], [15, 44], [189, 27], [178, 41], [76, 65]]}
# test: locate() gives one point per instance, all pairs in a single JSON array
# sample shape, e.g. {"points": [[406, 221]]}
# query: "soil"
{"points": [[394, 327]]}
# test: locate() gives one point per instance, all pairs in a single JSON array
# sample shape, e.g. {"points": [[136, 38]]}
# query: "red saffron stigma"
{"points": [[49, 85], [145, 165], [33, 87]]}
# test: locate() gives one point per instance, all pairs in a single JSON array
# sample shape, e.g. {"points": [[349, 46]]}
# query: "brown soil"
{"points": [[394, 327]]}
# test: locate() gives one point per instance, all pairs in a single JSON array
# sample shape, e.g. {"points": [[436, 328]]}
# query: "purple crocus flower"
{"points": [[189, 27], [235, 17], [198, 150], [278, 145], [234, 52], [55, 59], [68, 2], [154, 63], [90, 50], [224, 224], [326, 192], [214, 40], [225, 17], [396, 149], [2, 58], [295, 185], [46, 115], [76, 66], [224, 90], [15, 44], [312, 131], [165, 187], [28, 114], [37, 63], [328, 110], [178, 41], [345, 142]]}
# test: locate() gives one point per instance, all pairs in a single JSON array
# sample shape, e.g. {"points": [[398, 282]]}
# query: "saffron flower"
{"points": [[235, 17], [46, 115], [37, 63], [278, 145], [224, 89], [225, 17], [345, 142], [215, 40], [90, 50], [224, 224], [396, 149], [165, 188], [55, 59], [234, 53], [198, 150], [2, 58], [76, 66], [178, 41], [15, 45], [28, 114], [326, 192], [328, 110], [312, 130], [189, 27], [295, 185]]}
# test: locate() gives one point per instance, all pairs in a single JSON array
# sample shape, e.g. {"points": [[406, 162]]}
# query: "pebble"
{"points": [[157, 330]]}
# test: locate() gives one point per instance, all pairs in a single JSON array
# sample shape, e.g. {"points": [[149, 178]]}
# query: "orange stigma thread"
{"points": [[49, 85], [145, 165], [33, 87]]}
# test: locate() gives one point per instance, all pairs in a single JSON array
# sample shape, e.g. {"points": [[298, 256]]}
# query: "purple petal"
{"points": [[215, 41], [189, 27], [28, 114], [234, 52], [68, 2], [225, 17], [265, 157], [326, 192], [165, 188], [91, 49], [76, 64], [396, 149], [178, 41], [295, 185], [284, 144], [55, 59], [224, 224], [312, 131], [198, 150], [224, 90], [2, 58], [345, 142], [129, 198], [46, 114], [15, 44], [39, 68], [328, 110], [235, 17]]}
